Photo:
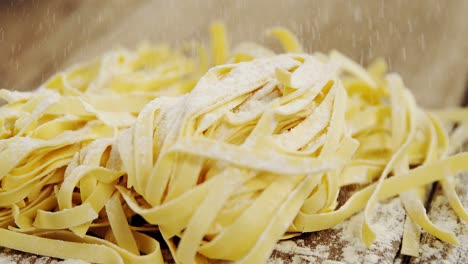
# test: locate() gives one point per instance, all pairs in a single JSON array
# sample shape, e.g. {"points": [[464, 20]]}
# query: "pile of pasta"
{"points": [[221, 162]]}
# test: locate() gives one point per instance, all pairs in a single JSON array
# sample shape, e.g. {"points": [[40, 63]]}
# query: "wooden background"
{"points": [[425, 41]]}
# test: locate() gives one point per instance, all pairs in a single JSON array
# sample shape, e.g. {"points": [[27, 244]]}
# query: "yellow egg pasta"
{"points": [[220, 162]]}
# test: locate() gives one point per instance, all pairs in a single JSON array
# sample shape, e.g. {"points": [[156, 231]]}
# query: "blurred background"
{"points": [[425, 41]]}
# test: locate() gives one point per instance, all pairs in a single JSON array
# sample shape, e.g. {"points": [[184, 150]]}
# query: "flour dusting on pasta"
{"points": [[221, 155]]}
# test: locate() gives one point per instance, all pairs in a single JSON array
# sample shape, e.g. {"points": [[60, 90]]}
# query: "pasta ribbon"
{"points": [[220, 155]]}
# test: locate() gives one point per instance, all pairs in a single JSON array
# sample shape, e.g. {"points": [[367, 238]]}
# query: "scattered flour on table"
{"points": [[298, 248], [388, 225], [443, 216], [11, 257], [347, 243]]}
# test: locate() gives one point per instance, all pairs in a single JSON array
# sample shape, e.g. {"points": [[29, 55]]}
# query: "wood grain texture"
{"points": [[425, 41], [440, 212], [342, 243]]}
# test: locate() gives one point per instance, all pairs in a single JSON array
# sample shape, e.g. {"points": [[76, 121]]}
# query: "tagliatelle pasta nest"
{"points": [[222, 162]]}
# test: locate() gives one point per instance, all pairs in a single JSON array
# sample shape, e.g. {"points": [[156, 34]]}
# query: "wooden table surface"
{"points": [[425, 41]]}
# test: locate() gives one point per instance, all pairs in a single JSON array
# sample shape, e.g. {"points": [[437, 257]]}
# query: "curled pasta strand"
{"points": [[222, 161]]}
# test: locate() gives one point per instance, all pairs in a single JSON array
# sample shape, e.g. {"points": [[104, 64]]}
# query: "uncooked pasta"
{"points": [[221, 153]]}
